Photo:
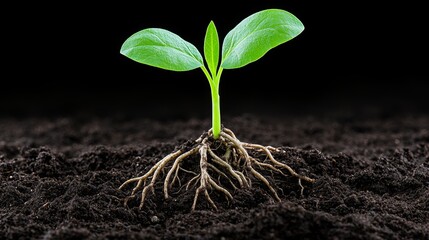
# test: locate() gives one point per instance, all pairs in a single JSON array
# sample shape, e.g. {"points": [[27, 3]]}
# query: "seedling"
{"points": [[225, 162]]}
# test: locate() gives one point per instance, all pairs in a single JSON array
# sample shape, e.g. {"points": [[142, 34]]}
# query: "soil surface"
{"points": [[59, 179]]}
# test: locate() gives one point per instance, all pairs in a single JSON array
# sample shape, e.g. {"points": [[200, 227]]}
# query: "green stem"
{"points": [[216, 123], [214, 86]]}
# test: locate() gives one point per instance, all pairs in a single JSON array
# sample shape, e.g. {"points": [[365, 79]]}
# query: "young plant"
{"points": [[231, 160]]}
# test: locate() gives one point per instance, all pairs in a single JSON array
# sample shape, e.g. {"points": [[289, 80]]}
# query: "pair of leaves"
{"points": [[251, 39]]}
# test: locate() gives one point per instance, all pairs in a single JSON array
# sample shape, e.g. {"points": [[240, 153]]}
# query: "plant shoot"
{"points": [[246, 43]]}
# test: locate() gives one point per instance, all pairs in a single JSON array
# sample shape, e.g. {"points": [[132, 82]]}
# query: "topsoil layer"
{"points": [[59, 179]]}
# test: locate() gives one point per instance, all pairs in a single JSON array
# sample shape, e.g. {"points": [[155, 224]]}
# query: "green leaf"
{"points": [[256, 35], [163, 49], [211, 48]]}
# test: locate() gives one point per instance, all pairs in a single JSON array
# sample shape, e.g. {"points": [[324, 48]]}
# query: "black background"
{"points": [[63, 58]]}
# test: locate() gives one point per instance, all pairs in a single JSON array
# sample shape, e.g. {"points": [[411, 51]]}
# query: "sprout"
{"points": [[251, 39]]}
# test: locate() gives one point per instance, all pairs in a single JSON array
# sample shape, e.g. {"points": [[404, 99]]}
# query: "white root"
{"points": [[235, 166]]}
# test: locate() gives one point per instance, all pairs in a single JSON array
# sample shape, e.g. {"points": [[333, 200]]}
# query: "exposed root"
{"points": [[235, 167]]}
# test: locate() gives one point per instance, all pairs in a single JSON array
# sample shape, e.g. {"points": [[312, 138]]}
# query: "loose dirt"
{"points": [[59, 179]]}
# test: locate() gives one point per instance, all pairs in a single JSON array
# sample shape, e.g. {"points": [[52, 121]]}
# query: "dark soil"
{"points": [[60, 178]]}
